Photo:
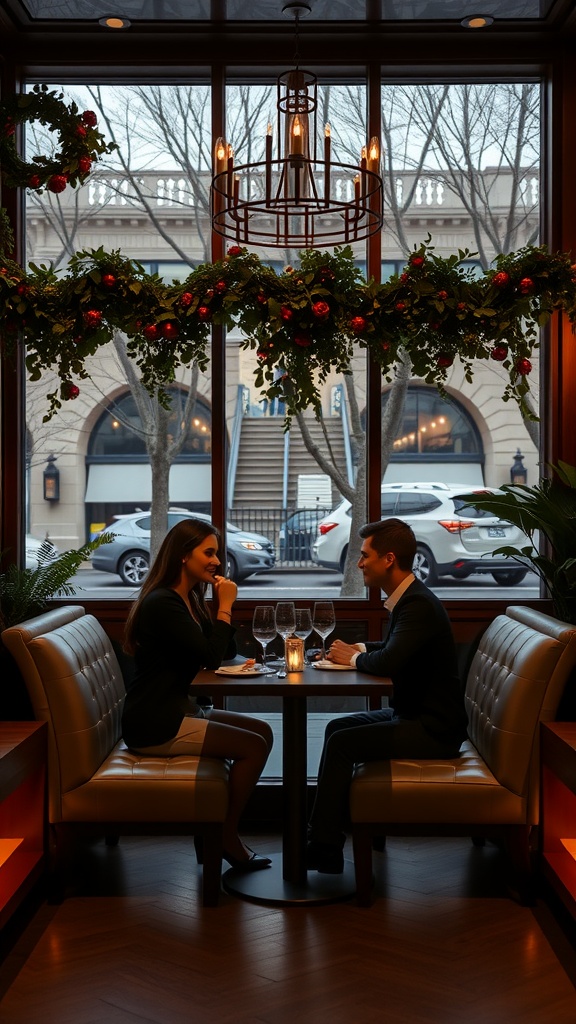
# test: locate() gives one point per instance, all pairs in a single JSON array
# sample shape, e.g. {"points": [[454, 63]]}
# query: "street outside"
{"points": [[303, 584]]}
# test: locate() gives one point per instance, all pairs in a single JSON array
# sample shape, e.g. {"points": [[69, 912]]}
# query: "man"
{"points": [[427, 718]]}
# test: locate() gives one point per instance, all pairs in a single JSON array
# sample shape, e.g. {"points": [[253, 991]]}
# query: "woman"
{"points": [[171, 635]]}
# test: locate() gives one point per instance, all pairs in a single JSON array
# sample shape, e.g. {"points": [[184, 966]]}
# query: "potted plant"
{"points": [[547, 509], [25, 593]]}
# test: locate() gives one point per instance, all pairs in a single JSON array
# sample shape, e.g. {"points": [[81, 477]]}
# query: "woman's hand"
{"points": [[226, 592]]}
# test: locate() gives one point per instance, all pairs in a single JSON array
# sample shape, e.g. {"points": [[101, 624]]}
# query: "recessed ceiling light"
{"points": [[114, 22], [477, 21]]}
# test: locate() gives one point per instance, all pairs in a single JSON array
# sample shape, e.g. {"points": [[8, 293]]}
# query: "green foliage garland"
{"points": [[306, 321]]}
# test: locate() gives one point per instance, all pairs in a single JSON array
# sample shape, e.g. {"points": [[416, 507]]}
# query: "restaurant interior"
{"points": [[445, 934]]}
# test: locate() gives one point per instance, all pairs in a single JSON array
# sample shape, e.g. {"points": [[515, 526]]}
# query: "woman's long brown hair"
{"points": [[166, 568]]}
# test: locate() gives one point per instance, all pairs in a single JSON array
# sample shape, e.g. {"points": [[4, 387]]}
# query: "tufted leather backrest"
{"points": [[515, 681], [75, 684]]}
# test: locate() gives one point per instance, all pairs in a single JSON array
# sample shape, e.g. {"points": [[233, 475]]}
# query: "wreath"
{"points": [[79, 142]]}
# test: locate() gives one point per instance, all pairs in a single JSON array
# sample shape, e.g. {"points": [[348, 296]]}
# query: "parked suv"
{"points": [[453, 539], [128, 554]]}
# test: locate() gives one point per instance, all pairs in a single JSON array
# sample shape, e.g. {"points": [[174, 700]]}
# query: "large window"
{"points": [[461, 166]]}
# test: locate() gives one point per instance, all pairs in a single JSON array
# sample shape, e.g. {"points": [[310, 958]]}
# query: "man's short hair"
{"points": [[392, 535]]}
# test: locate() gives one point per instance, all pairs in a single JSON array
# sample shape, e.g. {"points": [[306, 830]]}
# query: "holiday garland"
{"points": [[306, 321], [80, 144]]}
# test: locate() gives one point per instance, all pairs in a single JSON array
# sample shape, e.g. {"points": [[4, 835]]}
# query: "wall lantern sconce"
{"points": [[518, 471], [51, 479]]}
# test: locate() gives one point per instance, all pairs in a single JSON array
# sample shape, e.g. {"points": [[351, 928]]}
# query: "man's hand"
{"points": [[341, 653]]}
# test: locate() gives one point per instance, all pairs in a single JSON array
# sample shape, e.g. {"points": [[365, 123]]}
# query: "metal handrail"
{"points": [[235, 443]]}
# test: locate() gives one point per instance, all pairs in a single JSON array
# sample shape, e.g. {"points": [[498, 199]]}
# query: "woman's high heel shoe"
{"points": [[254, 863]]}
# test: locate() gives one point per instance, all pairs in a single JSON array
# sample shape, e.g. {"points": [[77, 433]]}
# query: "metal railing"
{"points": [[292, 537]]}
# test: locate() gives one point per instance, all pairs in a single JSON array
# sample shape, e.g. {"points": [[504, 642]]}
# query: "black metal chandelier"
{"points": [[296, 197]]}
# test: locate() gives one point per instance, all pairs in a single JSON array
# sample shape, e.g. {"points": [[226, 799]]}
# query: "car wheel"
{"points": [[343, 557], [133, 567], [509, 577], [424, 566], [233, 569]]}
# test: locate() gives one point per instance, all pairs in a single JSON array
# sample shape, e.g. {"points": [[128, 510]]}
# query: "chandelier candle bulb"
{"points": [[297, 137], [294, 653], [374, 155], [268, 171], [363, 166]]}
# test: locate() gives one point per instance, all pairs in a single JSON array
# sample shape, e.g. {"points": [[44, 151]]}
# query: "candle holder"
{"points": [[294, 653]]}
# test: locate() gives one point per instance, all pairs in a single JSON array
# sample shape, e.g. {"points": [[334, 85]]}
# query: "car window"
{"points": [[469, 511], [143, 524], [416, 504], [388, 504]]}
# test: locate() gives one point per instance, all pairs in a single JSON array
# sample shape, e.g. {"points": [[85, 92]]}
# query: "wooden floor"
{"points": [[442, 944]]}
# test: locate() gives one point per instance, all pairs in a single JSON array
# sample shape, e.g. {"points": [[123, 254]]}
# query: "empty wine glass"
{"points": [[323, 621], [303, 624], [285, 624], [264, 627]]}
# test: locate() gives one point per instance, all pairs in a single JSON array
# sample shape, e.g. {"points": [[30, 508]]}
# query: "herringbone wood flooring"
{"points": [[442, 944]]}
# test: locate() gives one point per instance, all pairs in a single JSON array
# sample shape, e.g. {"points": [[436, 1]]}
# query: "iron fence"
{"points": [[292, 531]]}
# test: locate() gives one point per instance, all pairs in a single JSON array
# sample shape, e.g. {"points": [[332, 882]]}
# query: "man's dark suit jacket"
{"points": [[419, 655]]}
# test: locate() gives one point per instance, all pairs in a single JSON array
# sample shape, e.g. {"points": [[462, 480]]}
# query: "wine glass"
{"points": [[264, 627], [303, 624], [323, 621], [285, 624]]}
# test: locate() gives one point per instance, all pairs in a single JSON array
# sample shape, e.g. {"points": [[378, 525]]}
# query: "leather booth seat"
{"points": [[94, 782], [516, 680]]}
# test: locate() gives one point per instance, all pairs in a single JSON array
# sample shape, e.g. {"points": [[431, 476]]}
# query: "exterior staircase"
{"points": [[260, 469]]}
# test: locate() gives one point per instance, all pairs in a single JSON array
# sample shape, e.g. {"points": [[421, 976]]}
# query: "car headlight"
{"points": [[250, 545]]}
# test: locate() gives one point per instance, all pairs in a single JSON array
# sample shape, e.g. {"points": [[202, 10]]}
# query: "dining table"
{"points": [[286, 881]]}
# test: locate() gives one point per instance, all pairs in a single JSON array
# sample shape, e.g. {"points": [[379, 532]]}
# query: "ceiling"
{"points": [[42, 33], [34, 14]]}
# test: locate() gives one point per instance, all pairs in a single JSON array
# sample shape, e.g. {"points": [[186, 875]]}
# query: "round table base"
{"points": [[268, 886]]}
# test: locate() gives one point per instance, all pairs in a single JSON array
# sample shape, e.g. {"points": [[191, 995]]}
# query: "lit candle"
{"points": [[357, 188], [374, 155], [268, 161], [220, 154], [230, 164], [294, 650], [327, 144], [297, 133], [363, 157]]}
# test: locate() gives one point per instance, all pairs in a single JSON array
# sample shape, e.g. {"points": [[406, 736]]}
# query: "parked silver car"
{"points": [[453, 538], [128, 555]]}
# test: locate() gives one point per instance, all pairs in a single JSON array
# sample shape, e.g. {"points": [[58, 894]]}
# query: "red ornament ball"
{"points": [[70, 391], [89, 118], [526, 286], [501, 279], [417, 261], [499, 353], [204, 313], [321, 310], [303, 340], [84, 164], [234, 250], [81, 131], [23, 289], [57, 183], [151, 332], [34, 181], [358, 324], [262, 299], [169, 330], [220, 287], [109, 280], [523, 367], [404, 278], [461, 306], [400, 307], [326, 274], [286, 313], [92, 318], [186, 299], [445, 360], [442, 295]]}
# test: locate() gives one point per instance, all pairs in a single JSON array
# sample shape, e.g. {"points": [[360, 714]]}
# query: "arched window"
{"points": [[435, 429], [119, 433]]}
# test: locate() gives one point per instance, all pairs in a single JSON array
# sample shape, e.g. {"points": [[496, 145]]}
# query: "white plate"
{"points": [[332, 667], [237, 670]]}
